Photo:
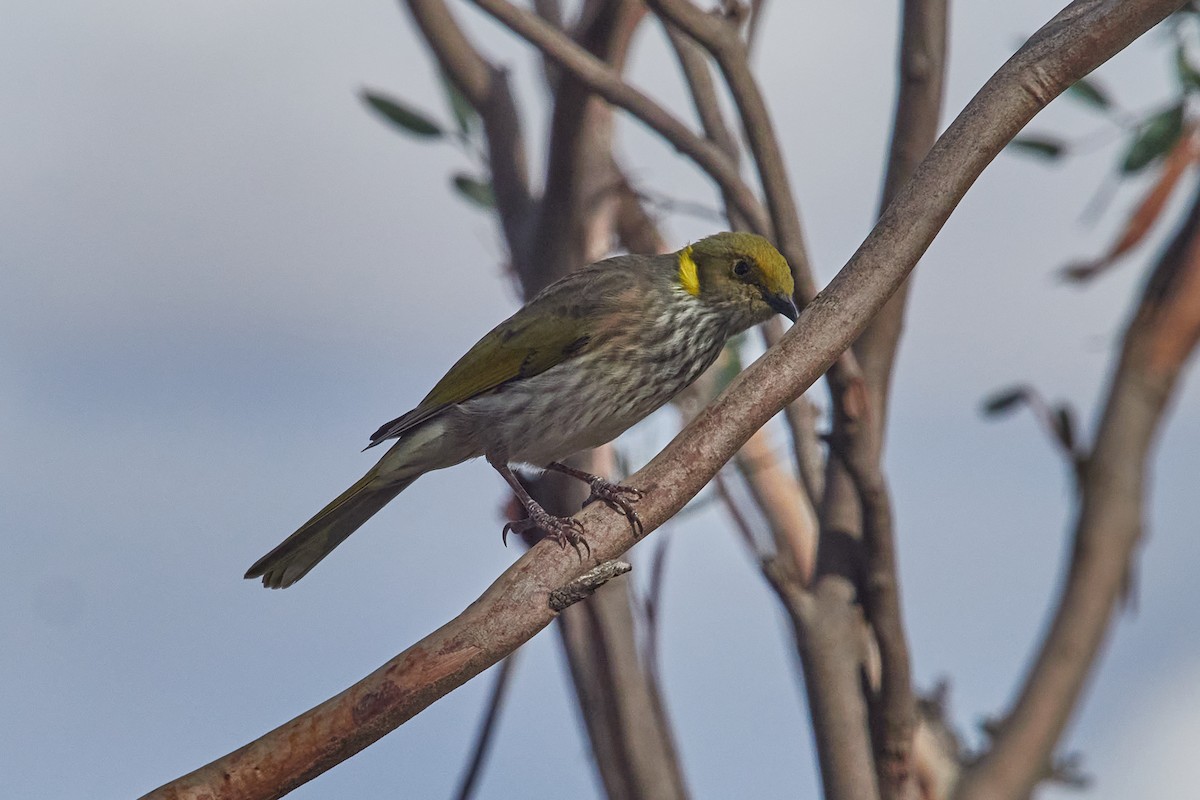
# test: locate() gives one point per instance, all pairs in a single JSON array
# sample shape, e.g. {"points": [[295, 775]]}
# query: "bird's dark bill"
{"points": [[784, 305]]}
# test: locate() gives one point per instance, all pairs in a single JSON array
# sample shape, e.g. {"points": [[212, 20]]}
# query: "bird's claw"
{"points": [[618, 498], [564, 530]]}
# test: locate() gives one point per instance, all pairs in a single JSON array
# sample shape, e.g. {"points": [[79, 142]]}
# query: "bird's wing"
{"points": [[548, 331]]}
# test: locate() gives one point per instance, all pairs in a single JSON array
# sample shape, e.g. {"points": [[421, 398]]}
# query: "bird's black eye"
{"points": [[741, 268]]}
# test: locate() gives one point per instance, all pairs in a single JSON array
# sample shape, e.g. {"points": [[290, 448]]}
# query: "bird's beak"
{"points": [[784, 304]]}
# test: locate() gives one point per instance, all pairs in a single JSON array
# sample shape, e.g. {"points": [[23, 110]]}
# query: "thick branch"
{"points": [[824, 621], [1159, 341], [609, 85], [516, 607], [856, 503], [893, 710], [575, 215]]}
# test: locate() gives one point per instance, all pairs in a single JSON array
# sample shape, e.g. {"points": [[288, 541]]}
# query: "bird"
{"points": [[589, 356]]}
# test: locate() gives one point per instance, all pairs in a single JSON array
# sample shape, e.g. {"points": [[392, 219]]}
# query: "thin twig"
{"points": [[697, 75], [609, 85], [721, 38], [487, 727], [707, 103], [740, 523], [486, 88]]}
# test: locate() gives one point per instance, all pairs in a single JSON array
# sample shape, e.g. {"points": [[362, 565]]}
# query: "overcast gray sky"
{"points": [[219, 274]]}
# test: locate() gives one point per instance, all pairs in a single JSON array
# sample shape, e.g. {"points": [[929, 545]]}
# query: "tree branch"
{"points": [[575, 215], [707, 103], [516, 606], [722, 39], [609, 85], [1160, 339], [694, 64], [789, 515], [487, 727], [893, 711], [486, 87], [921, 76], [856, 505]]}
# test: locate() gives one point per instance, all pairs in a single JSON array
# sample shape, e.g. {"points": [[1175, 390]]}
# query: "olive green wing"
{"points": [[528, 343]]}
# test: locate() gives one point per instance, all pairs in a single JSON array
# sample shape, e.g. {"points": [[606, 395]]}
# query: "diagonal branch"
{"points": [[1159, 341], [516, 607]]}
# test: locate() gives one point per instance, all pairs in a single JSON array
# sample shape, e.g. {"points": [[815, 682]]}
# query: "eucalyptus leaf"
{"points": [[464, 113], [477, 191], [1004, 401], [1154, 139], [1088, 92], [1045, 147], [1187, 75], [403, 116]]}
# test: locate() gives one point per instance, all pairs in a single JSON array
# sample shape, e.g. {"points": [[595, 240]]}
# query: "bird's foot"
{"points": [[614, 495], [618, 498], [564, 530]]}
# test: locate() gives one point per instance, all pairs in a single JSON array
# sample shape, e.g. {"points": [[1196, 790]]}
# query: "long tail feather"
{"points": [[300, 552]]}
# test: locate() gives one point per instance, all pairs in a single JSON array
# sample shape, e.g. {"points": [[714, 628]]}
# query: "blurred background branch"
{"points": [[829, 550]]}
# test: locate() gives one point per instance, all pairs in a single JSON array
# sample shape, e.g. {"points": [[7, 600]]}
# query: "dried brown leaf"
{"points": [[1146, 213]]}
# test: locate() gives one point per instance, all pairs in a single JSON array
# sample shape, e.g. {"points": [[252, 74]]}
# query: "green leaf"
{"points": [[1187, 75], [1041, 146], [464, 113], [1087, 91], [403, 116], [477, 191], [1004, 401], [1155, 137]]}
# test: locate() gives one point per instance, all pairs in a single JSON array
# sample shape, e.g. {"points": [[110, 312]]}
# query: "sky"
{"points": [[219, 273]]}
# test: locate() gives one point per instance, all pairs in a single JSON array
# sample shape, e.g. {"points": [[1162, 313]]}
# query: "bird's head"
{"points": [[739, 274]]}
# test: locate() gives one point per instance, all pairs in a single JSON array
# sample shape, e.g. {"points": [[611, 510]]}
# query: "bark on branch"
{"points": [[722, 39], [516, 606], [486, 87], [1157, 344], [608, 84]]}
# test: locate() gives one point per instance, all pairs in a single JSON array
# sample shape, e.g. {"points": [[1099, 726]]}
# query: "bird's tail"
{"points": [[300, 552]]}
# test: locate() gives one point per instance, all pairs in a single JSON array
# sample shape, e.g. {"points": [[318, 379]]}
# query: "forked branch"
{"points": [[516, 606]]}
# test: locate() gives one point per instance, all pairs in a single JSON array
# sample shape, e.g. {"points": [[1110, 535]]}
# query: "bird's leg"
{"points": [[564, 530], [614, 495]]}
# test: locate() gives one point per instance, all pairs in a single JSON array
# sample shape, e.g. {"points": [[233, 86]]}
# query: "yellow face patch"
{"points": [[689, 275]]}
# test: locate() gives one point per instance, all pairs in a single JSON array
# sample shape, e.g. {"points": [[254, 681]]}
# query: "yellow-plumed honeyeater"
{"points": [[591, 355]]}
